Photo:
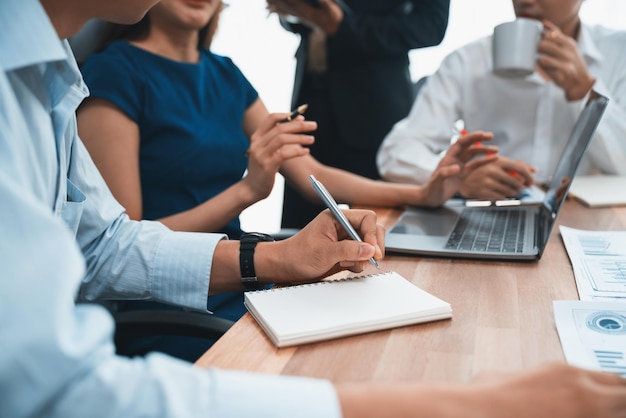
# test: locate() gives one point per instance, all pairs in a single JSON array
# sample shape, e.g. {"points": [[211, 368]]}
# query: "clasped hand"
{"points": [[457, 165], [270, 146], [500, 179]]}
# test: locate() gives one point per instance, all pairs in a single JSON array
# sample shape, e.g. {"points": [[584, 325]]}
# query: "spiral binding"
{"points": [[344, 279]]}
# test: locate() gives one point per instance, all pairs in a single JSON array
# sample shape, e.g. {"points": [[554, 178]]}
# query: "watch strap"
{"points": [[247, 245]]}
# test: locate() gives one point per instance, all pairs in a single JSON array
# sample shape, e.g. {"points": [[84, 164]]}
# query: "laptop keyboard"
{"points": [[485, 230]]}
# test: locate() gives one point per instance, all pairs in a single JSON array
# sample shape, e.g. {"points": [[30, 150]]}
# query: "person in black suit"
{"points": [[353, 72]]}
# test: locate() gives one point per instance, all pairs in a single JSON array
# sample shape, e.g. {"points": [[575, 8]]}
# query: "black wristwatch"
{"points": [[247, 243]]}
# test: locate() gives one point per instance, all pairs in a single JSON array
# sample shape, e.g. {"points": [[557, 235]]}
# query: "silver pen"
{"points": [[334, 208]]}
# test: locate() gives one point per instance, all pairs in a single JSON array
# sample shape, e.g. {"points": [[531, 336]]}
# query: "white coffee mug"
{"points": [[515, 47]]}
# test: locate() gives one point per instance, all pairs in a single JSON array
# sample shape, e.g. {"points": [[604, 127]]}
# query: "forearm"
{"points": [[416, 400], [215, 213], [347, 187], [352, 189]]}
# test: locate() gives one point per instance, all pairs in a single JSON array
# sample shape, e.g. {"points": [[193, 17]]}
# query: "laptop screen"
{"points": [[574, 150]]}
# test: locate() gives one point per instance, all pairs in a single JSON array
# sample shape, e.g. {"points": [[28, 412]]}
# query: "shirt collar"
{"points": [[587, 46], [27, 35]]}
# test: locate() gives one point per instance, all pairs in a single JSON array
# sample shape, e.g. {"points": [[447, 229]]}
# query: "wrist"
{"points": [[248, 194], [420, 195], [580, 90], [270, 262]]}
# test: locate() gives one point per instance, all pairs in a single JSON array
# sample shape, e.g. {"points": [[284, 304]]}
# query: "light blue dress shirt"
{"points": [[64, 238]]}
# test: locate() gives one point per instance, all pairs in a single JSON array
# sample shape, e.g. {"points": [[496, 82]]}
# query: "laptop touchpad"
{"points": [[435, 222]]}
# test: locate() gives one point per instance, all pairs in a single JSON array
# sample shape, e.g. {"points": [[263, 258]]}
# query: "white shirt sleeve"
{"points": [[416, 144]]}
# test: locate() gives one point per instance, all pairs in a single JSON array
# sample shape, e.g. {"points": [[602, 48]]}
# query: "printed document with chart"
{"points": [[599, 262], [592, 330], [593, 334]]}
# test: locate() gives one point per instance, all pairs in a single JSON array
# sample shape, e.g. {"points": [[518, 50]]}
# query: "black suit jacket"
{"points": [[368, 64]]}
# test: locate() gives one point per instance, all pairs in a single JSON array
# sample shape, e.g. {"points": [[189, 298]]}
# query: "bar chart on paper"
{"points": [[607, 275], [593, 334], [599, 262], [611, 361]]}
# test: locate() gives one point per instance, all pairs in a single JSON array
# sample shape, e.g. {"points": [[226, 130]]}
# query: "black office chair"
{"points": [[153, 322]]}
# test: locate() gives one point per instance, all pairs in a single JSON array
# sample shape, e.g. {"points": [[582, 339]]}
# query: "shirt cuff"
{"points": [[182, 268], [257, 395]]}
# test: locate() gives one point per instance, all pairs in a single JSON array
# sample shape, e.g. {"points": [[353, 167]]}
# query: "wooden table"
{"points": [[502, 319]]}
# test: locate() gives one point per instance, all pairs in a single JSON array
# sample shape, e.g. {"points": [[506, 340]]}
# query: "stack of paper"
{"points": [[599, 263], [600, 190]]}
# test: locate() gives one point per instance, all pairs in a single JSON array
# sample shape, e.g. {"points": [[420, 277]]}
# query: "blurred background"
{"points": [[265, 54]]}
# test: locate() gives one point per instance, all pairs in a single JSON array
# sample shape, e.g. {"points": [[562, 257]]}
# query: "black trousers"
{"points": [[329, 149]]}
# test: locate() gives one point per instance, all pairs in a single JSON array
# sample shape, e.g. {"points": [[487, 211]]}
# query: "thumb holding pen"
{"points": [[324, 248]]}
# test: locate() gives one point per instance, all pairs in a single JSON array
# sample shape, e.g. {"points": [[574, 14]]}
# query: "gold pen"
{"points": [[299, 111]]}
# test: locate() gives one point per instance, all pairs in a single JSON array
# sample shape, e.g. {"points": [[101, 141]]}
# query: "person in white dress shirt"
{"points": [[531, 118]]}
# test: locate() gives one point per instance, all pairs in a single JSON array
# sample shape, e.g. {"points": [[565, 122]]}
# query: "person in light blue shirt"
{"points": [[64, 240]]}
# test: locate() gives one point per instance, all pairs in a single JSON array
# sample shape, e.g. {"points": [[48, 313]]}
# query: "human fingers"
{"points": [[484, 153], [298, 8], [598, 394], [283, 3], [507, 181], [520, 170], [265, 160], [468, 146], [553, 48], [323, 248], [609, 379], [276, 118], [444, 172], [263, 172], [289, 152], [366, 226], [355, 256], [267, 142], [472, 139], [476, 163], [485, 183]]}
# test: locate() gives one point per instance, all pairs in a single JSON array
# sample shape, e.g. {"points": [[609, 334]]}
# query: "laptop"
{"points": [[491, 230]]}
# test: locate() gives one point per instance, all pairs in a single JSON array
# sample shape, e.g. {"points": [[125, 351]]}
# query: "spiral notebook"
{"points": [[325, 310]]}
